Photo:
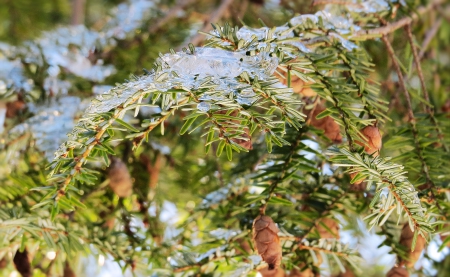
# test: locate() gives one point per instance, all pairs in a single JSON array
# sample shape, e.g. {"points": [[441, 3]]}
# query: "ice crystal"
{"points": [[50, 124]]}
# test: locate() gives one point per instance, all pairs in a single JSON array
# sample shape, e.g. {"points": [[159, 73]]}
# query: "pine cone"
{"points": [[22, 263], [358, 185], [13, 108], [3, 263], [265, 236], [327, 124], [397, 272], [297, 84], [373, 140], [406, 239], [68, 272], [330, 231], [119, 178]]}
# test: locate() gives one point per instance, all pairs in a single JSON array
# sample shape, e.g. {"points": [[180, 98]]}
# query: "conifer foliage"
{"points": [[254, 154]]}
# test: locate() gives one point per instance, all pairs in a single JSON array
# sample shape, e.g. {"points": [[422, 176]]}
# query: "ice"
{"points": [[299, 45], [370, 6], [203, 107], [50, 124], [302, 19], [350, 46], [11, 75], [71, 48]]}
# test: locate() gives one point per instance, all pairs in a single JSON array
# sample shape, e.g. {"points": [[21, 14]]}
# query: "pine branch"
{"points": [[392, 27]]}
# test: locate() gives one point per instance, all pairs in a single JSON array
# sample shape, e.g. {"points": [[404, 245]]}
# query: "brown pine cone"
{"points": [[406, 239], [3, 263], [373, 140], [327, 124], [397, 272], [265, 237], [68, 272], [22, 263], [12, 108], [331, 231], [297, 84], [119, 178]]}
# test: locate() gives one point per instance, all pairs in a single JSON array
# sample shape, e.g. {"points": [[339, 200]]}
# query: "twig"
{"points": [[335, 2], [429, 36], [412, 119], [198, 38], [424, 88], [169, 15], [418, 67], [392, 27], [277, 181]]}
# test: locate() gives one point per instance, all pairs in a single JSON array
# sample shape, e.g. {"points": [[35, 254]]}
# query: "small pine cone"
{"points": [[358, 185], [15, 107], [265, 272], [68, 272], [397, 272], [373, 140], [297, 84], [119, 178], [3, 263], [22, 263], [327, 124], [305, 273], [331, 231], [265, 237], [406, 239]]}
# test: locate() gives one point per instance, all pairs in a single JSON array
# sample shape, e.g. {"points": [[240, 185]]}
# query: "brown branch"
{"points": [[412, 119], [218, 13], [169, 15], [392, 27], [429, 36], [335, 2], [428, 109]]}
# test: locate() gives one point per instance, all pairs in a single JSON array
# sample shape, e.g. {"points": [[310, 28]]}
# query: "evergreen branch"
{"points": [[392, 27], [390, 176]]}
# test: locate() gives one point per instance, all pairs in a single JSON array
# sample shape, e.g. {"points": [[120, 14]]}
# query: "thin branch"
{"points": [[169, 15], [428, 109], [392, 27], [277, 181], [429, 37], [218, 13], [412, 119]]}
